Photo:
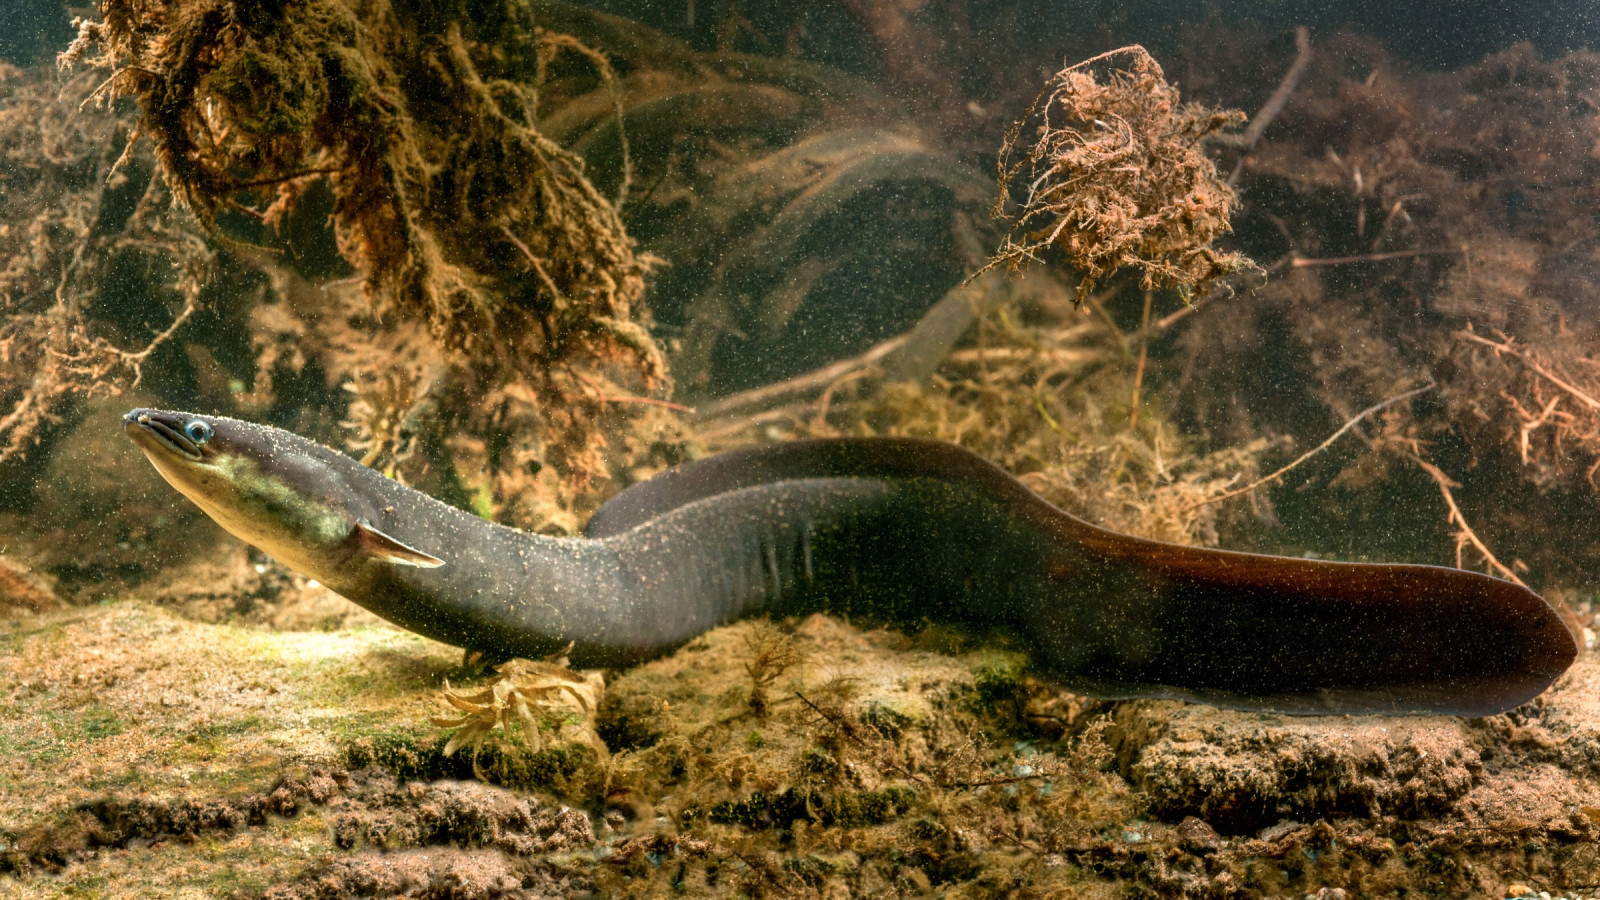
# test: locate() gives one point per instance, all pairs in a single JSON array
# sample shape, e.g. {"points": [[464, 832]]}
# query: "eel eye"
{"points": [[198, 431]]}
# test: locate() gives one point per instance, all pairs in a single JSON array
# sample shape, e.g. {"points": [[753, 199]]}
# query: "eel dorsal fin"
{"points": [[374, 544], [896, 458]]}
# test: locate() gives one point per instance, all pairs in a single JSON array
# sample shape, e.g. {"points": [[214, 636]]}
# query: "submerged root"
{"points": [[473, 221], [85, 229]]}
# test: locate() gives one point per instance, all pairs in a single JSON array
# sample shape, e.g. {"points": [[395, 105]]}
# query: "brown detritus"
{"points": [[1117, 177], [1283, 470], [885, 750], [1465, 536], [406, 834], [1410, 208], [383, 416], [900, 778], [114, 822], [1547, 405], [447, 874], [474, 222]]}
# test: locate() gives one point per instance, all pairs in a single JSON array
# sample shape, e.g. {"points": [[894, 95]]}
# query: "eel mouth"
{"points": [[150, 428]]}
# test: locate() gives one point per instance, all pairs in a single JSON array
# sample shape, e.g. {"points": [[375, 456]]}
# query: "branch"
{"points": [[1375, 408], [757, 399], [1228, 286], [1301, 262], [1507, 347], [1251, 136]]}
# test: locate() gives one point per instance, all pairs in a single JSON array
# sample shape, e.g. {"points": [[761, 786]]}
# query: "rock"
{"points": [[1196, 836], [21, 588], [1242, 772]]}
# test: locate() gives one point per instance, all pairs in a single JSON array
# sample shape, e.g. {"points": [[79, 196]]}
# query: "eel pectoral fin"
{"points": [[373, 544]]}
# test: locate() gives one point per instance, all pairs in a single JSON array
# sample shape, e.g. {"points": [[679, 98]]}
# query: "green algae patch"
{"points": [[153, 755], [846, 809], [410, 755], [125, 693], [420, 756], [866, 766]]}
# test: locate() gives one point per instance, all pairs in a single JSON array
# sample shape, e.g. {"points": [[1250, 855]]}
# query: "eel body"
{"points": [[890, 530]]}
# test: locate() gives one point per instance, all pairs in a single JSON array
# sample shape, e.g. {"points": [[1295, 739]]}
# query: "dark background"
{"points": [[1434, 33]]}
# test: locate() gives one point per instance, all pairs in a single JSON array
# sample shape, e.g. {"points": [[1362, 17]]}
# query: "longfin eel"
{"points": [[900, 531]]}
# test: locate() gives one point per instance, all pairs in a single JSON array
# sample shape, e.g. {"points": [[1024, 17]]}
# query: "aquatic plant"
{"points": [[772, 652]]}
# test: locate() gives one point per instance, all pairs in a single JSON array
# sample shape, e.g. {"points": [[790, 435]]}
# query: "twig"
{"points": [[799, 386], [136, 359], [1377, 407], [1144, 350], [604, 397], [852, 732], [942, 327], [1301, 262], [790, 412], [821, 420], [1247, 140], [538, 266], [1531, 423], [608, 76], [1173, 318], [647, 401], [973, 356], [1464, 535], [288, 176], [1097, 303]]}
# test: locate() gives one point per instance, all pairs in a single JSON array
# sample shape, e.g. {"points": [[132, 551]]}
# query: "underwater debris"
{"points": [[1434, 205], [805, 213], [772, 652], [523, 699], [22, 588], [1548, 406], [1117, 177]]}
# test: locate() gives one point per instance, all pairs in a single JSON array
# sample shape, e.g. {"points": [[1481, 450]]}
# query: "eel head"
{"points": [[270, 489]]}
